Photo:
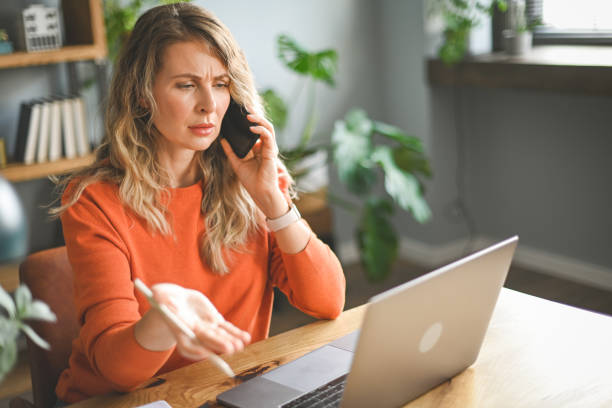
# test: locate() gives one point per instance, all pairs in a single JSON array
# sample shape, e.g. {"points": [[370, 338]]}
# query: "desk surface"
{"points": [[536, 353]]}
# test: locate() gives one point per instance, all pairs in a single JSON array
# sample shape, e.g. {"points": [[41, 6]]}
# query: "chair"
{"points": [[48, 275]]}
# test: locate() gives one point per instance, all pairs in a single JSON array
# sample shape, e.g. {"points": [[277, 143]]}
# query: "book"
{"points": [[42, 151], [29, 154], [25, 113], [81, 136], [55, 130], [68, 129]]}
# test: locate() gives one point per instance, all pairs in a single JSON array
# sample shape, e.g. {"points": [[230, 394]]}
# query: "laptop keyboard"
{"points": [[328, 395]]}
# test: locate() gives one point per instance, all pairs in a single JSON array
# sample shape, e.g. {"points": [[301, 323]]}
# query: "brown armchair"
{"points": [[48, 274]]}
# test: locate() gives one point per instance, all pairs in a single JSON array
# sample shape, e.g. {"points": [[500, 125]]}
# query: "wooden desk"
{"points": [[536, 353]]}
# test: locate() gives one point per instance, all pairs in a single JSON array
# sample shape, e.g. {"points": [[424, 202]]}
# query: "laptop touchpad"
{"points": [[313, 369]]}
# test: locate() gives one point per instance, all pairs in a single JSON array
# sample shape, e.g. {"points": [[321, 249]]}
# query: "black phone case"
{"points": [[235, 129]]}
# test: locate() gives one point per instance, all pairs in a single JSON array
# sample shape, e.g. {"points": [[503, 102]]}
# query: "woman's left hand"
{"points": [[258, 171]]}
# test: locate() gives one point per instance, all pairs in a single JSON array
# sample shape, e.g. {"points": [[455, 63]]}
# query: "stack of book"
{"points": [[50, 129]]}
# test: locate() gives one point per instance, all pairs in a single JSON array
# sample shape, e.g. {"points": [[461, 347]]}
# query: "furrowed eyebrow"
{"points": [[194, 76]]}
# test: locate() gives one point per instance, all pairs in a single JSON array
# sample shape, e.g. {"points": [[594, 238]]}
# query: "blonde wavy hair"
{"points": [[127, 155]]}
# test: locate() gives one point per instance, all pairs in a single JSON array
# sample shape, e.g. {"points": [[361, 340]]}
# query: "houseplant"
{"points": [[460, 18], [13, 320], [518, 34], [363, 150], [13, 246]]}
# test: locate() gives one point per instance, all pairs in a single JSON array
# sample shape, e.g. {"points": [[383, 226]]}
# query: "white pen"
{"points": [[163, 309]]}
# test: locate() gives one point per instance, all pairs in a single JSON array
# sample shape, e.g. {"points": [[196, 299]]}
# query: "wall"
{"points": [[505, 162]]}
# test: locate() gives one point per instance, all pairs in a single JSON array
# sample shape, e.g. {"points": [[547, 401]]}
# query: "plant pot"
{"points": [[517, 43]]}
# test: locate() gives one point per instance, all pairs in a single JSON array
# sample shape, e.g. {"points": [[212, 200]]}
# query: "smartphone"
{"points": [[235, 129]]}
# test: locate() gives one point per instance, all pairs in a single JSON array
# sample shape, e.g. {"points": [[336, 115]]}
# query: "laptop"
{"points": [[413, 337]]}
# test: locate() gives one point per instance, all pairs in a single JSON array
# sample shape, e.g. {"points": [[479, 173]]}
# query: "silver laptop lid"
{"points": [[419, 334]]}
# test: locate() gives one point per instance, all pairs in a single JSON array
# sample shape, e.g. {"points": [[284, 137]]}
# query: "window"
{"points": [[571, 21]]}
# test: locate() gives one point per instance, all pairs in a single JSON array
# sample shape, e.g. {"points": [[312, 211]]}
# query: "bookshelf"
{"points": [[85, 40], [17, 172]]}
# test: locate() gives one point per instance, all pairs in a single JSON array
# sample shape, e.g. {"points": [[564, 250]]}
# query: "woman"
{"points": [[168, 201]]}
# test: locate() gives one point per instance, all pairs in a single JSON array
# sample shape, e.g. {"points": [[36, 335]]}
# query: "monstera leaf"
{"points": [[401, 185], [320, 65], [352, 147]]}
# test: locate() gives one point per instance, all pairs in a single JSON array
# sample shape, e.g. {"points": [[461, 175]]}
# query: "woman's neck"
{"points": [[182, 168]]}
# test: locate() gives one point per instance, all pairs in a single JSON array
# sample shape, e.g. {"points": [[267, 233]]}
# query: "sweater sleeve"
{"points": [[105, 301], [312, 279]]}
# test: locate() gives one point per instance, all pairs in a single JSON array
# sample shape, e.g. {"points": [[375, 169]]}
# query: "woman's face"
{"points": [[191, 90]]}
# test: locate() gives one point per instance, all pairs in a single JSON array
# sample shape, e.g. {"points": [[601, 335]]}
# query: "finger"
{"points": [[269, 148], [261, 120], [244, 336], [191, 349], [231, 156], [215, 339]]}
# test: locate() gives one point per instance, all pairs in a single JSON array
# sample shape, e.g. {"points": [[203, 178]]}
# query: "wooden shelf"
{"points": [[23, 172], [85, 38], [580, 69], [66, 54]]}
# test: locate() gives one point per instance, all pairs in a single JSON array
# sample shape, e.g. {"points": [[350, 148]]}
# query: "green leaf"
{"points": [[276, 108], [8, 357], [6, 301], [39, 310], [403, 187], [8, 330], [321, 65], [397, 134], [23, 299], [410, 161], [324, 66], [35, 337], [357, 121], [378, 242], [351, 155]]}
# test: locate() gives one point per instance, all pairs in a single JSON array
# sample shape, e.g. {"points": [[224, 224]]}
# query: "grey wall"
{"points": [[524, 162]]}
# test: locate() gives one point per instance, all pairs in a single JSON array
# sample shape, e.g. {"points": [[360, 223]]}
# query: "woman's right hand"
{"points": [[213, 333]]}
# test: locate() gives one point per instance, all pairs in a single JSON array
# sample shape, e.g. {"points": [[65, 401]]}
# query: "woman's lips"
{"points": [[203, 129]]}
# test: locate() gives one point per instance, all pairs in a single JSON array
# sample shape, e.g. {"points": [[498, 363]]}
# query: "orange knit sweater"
{"points": [[109, 246]]}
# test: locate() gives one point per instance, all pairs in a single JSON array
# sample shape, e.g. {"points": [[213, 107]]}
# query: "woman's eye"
{"points": [[185, 86], [221, 85]]}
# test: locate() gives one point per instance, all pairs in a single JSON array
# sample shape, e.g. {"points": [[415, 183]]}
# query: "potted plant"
{"points": [[460, 17], [13, 321], [518, 35], [13, 314], [363, 151]]}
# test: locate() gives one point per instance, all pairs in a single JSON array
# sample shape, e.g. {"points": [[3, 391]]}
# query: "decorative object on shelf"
{"points": [[360, 148], [49, 129], [6, 47], [518, 35], [460, 18], [40, 28], [13, 246]]}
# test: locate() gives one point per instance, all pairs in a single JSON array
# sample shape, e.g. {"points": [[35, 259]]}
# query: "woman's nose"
{"points": [[206, 102]]}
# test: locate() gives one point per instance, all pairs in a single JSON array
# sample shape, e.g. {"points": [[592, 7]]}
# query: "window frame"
{"points": [[548, 35]]}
